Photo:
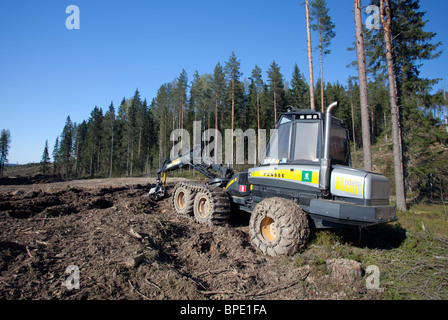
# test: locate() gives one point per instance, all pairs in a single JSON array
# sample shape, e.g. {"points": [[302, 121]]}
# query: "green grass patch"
{"points": [[411, 254]]}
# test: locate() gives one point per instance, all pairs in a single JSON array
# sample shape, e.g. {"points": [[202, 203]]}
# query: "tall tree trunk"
{"points": [[208, 125], [181, 124], [216, 128], [139, 143], [173, 140], [111, 153], [353, 119], [258, 117], [132, 161], [127, 161], [258, 111], [275, 104], [310, 53], [445, 107], [77, 154], [91, 164], [98, 157], [362, 73], [161, 140], [321, 73], [396, 136], [233, 110]]}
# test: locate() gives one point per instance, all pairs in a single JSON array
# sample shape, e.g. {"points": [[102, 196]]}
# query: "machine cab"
{"points": [[299, 139]]}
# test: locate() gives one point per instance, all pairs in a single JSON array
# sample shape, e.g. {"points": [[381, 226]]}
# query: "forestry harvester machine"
{"points": [[305, 181]]}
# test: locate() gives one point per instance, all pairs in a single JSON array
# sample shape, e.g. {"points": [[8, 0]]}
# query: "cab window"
{"points": [[338, 145], [306, 141], [279, 144]]}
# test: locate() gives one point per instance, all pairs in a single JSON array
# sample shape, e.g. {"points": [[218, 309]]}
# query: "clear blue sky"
{"points": [[48, 72]]}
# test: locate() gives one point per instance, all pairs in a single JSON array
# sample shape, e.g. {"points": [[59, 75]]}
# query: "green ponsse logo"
{"points": [[306, 176]]}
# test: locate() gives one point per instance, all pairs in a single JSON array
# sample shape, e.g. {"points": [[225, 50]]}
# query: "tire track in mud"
{"points": [[99, 228]]}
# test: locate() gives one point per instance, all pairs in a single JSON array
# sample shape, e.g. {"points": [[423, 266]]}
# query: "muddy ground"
{"points": [[126, 246]]}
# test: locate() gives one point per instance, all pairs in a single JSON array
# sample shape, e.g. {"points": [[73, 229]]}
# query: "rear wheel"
{"points": [[278, 226], [211, 206], [183, 200]]}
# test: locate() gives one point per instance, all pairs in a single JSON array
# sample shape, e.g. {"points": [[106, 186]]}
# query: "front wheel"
{"points": [[278, 226]]}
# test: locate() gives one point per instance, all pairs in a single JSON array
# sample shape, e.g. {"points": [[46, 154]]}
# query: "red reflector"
{"points": [[242, 188]]}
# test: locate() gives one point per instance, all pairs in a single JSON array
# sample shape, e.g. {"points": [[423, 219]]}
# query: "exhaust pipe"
{"points": [[325, 163]]}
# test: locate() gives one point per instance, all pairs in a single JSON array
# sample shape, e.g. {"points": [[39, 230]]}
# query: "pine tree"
{"points": [[5, 141], [180, 97], [232, 70], [194, 95], [337, 92], [276, 88], [310, 53], [397, 50], [121, 150], [108, 131], [162, 106], [362, 74], [66, 148], [300, 91], [218, 87], [149, 137], [81, 150], [206, 99], [324, 26], [142, 114], [45, 159], [406, 44], [353, 96], [258, 86], [56, 156], [253, 107], [94, 125], [396, 136], [131, 132], [266, 121]]}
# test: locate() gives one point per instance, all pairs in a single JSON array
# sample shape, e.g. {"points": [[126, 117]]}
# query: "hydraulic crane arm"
{"points": [[191, 158]]}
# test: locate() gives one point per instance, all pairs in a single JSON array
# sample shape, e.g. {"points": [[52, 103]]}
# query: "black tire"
{"points": [[183, 199], [278, 226], [211, 206]]}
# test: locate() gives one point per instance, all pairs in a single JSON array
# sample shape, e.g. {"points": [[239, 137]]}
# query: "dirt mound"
{"points": [[122, 245], [36, 179]]}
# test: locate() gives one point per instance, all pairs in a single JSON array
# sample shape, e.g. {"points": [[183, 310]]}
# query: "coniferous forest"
{"points": [[131, 137]]}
